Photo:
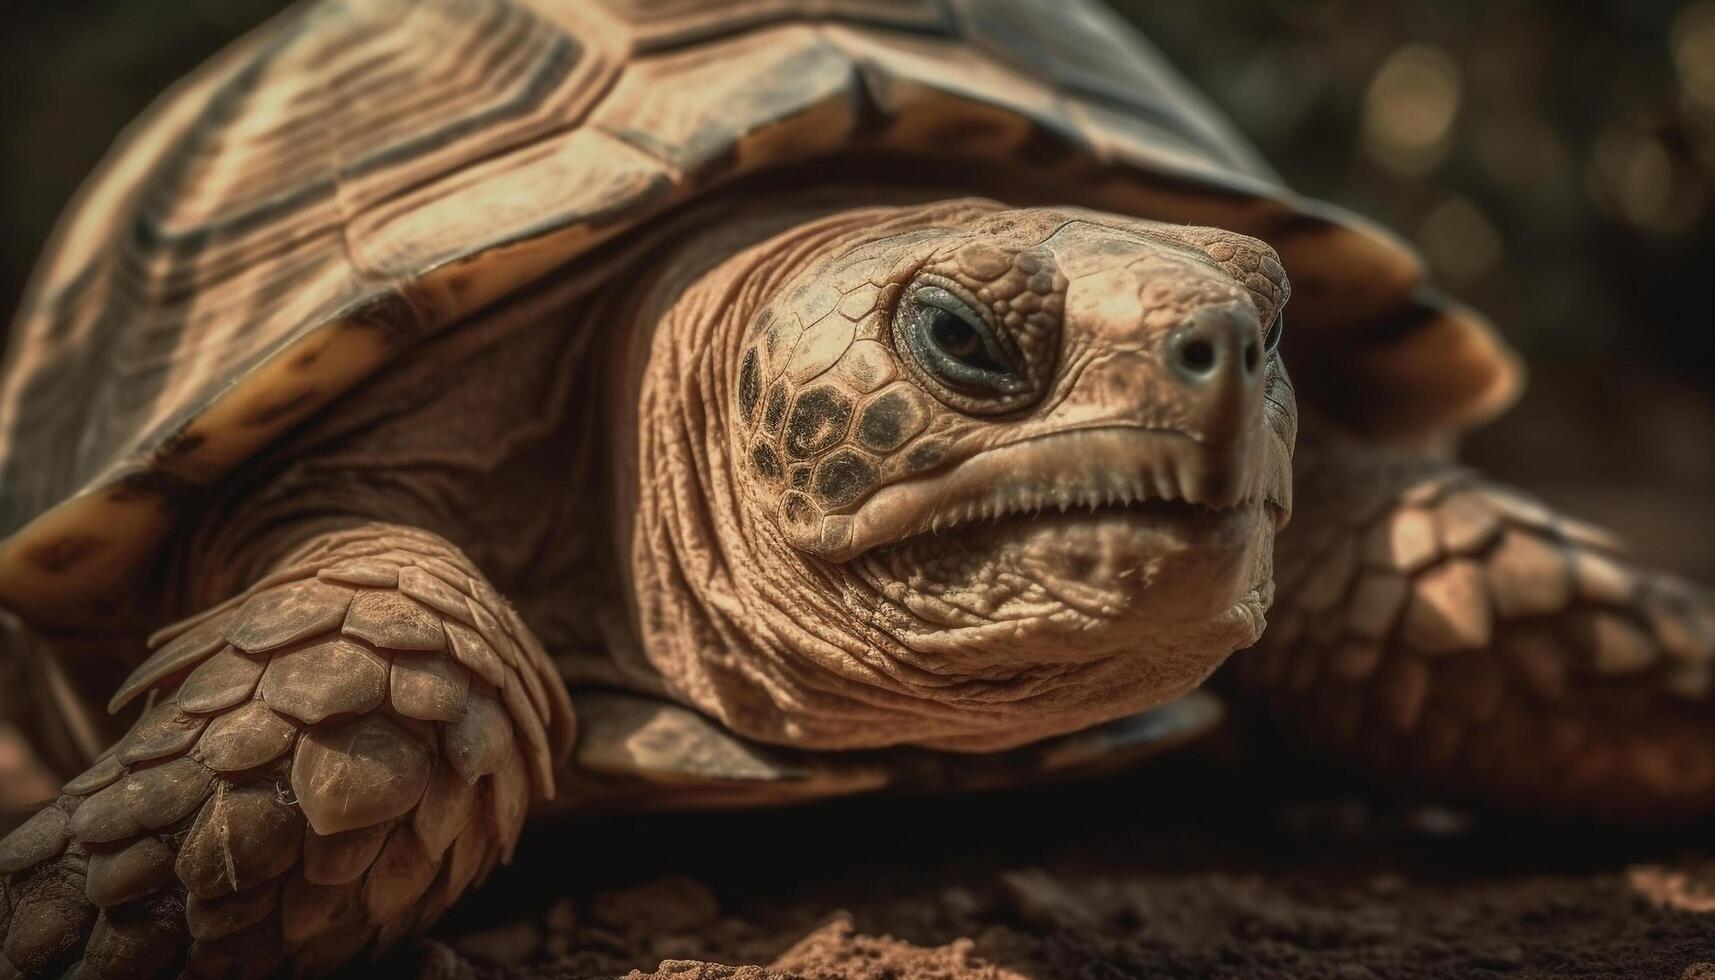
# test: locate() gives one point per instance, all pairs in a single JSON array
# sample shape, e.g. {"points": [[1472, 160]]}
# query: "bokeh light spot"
{"points": [[1461, 242], [1410, 107], [1693, 40], [1633, 177]]}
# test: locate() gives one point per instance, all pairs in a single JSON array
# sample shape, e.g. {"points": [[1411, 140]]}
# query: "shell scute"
{"points": [[455, 181]]}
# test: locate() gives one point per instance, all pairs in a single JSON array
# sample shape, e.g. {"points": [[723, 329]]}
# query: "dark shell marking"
{"points": [[925, 456], [749, 386], [890, 419], [766, 463], [844, 477], [775, 413], [819, 421], [835, 417], [798, 511], [61, 555]]}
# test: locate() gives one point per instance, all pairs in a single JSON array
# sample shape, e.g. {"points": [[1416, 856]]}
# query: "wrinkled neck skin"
{"points": [[975, 639]]}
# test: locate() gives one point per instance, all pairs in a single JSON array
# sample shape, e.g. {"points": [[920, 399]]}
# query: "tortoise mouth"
{"points": [[1081, 547], [1150, 479]]}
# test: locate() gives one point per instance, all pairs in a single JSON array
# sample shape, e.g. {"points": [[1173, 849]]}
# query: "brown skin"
{"points": [[945, 474], [963, 610], [841, 546]]}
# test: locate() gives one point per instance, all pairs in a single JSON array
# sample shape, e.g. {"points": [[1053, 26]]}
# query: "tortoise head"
{"points": [[1012, 471]]}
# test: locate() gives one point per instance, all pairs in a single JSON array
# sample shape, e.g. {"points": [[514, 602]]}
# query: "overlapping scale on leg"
{"points": [[322, 768], [1472, 638]]}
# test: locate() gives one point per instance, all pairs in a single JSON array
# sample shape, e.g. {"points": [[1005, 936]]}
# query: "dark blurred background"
{"points": [[1555, 161]]}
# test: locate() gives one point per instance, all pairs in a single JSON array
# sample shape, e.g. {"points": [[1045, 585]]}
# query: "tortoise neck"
{"points": [[689, 554], [682, 318]]}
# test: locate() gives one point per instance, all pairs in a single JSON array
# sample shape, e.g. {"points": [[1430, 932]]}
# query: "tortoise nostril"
{"points": [[1198, 356], [1215, 345]]}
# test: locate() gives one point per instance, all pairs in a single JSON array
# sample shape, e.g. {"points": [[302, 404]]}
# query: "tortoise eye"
{"points": [[1271, 342], [955, 346], [958, 338]]}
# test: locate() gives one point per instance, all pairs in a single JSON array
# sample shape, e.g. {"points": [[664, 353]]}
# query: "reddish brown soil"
{"points": [[1189, 868], [1194, 867]]}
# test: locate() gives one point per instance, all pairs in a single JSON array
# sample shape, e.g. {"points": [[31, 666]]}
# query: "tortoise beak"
{"points": [[1160, 475]]}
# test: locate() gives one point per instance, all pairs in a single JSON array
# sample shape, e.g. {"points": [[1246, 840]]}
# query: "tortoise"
{"points": [[652, 403]]}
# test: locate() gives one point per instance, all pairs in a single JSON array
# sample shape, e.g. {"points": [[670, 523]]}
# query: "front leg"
{"points": [[1439, 628], [327, 761]]}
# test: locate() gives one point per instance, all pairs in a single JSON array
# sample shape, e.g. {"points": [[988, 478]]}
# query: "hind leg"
{"points": [[325, 763], [1438, 628]]}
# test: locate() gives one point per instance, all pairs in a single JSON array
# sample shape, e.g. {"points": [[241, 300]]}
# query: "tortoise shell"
{"points": [[359, 174], [638, 753]]}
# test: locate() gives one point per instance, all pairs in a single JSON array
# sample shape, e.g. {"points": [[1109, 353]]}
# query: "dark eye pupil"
{"points": [[960, 341], [953, 335]]}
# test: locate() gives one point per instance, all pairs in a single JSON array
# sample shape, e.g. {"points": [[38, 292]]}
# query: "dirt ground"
{"points": [[1195, 866], [1198, 866], [1211, 863], [1190, 867]]}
